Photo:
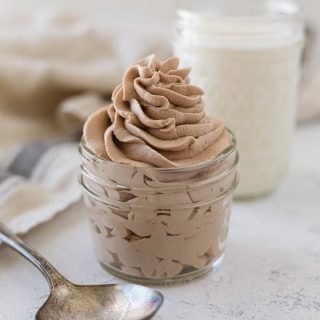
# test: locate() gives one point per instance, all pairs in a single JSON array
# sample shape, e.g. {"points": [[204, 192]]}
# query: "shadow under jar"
{"points": [[159, 225]]}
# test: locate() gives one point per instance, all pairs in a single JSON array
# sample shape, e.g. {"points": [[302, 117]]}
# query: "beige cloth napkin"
{"points": [[55, 69], [48, 56], [37, 180]]}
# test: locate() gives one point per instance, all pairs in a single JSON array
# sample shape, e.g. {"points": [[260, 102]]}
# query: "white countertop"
{"points": [[271, 269]]}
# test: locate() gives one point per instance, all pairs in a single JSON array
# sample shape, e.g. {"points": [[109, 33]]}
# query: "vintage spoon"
{"points": [[69, 301]]}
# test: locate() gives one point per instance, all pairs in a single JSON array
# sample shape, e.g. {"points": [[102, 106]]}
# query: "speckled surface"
{"points": [[271, 269]]}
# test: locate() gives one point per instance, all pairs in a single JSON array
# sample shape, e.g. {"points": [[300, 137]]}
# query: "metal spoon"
{"points": [[69, 301]]}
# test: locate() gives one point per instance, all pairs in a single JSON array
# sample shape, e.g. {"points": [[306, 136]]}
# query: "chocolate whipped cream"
{"points": [[160, 225], [150, 223], [157, 118]]}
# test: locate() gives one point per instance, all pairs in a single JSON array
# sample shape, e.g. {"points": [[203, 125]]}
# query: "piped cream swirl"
{"points": [[156, 119]]}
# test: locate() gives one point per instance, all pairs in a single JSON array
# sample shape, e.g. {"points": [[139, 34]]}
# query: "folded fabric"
{"points": [[47, 56], [37, 180], [73, 111]]}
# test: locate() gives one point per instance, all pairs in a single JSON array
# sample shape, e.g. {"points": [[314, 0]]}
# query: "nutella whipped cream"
{"points": [[158, 176], [156, 118]]}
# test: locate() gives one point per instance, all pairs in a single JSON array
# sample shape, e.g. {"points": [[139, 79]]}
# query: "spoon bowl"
{"points": [[68, 301], [105, 302]]}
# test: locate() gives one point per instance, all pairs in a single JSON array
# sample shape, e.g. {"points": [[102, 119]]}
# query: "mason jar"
{"points": [[246, 56], [159, 225]]}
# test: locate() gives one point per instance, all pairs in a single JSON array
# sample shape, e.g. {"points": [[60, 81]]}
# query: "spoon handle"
{"points": [[53, 277]]}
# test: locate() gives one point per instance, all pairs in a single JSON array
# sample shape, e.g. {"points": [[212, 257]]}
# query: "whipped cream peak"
{"points": [[156, 119]]}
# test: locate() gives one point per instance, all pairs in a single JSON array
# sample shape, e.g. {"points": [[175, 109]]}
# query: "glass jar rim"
{"points": [[274, 23], [269, 9], [220, 157]]}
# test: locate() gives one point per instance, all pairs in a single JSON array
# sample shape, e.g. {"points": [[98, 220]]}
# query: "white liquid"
{"points": [[252, 85]]}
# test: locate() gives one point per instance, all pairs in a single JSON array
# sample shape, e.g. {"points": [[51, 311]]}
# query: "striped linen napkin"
{"points": [[37, 180]]}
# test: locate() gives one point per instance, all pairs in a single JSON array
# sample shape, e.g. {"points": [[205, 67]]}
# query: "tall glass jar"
{"points": [[246, 56], [157, 225]]}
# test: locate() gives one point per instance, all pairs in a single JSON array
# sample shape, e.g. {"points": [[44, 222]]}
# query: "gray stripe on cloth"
{"points": [[28, 156], [4, 175]]}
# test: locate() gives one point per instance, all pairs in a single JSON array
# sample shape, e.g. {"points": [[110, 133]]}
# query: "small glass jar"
{"points": [[159, 225], [246, 56]]}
